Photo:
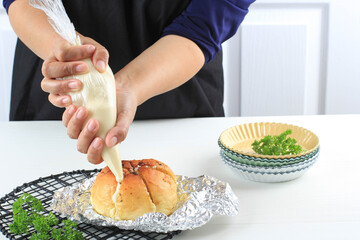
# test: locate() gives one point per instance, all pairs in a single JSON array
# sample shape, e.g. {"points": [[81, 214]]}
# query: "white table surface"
{"points": [[322, 204]]}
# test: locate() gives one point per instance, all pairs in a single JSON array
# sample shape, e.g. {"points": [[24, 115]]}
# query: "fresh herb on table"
{"points": [[44, 225], [277, 145]]}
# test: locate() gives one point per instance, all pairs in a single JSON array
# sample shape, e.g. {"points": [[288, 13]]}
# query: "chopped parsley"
{"points": [[27, 213], [277, 145]]}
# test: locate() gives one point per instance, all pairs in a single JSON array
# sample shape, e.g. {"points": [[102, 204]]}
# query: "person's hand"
{"points": [[65, 60], [74, 118]]}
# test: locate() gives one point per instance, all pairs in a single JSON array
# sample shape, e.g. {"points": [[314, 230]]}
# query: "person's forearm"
{"points": [[167, 64], [32, 27]]}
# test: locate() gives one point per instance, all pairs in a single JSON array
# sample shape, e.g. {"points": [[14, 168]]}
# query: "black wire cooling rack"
{"points": [[44, 188]]}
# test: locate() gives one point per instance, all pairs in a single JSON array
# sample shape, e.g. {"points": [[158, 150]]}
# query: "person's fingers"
{"points": [[95, 150], [67, 52], [75, 124], [119, 132], [87, 135], [68, 114], [55, 69], [60, 86], [60, 100], [100, 57]]}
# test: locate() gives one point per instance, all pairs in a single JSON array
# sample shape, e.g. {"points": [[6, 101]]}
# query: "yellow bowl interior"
{"points": [[239, 138]]}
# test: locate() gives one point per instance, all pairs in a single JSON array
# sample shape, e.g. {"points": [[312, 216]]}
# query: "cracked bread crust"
{"points": [[148, 186]]}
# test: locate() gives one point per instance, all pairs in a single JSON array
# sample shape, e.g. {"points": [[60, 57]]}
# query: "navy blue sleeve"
{"points": [[6, 4], [209, 23], [206, 22]]}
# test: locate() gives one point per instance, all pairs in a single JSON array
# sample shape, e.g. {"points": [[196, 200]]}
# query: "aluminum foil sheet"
{"points": [[199, 199]]}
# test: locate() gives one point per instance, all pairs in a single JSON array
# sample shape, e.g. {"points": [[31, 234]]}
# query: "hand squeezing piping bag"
{"points": [[98, 94]]}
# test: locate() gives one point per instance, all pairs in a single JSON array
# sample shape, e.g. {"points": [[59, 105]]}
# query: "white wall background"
{"points": [[295, 57], [289, 57]]}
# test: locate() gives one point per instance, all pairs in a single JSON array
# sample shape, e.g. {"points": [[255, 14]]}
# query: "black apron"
{"points": [[125, 28]]}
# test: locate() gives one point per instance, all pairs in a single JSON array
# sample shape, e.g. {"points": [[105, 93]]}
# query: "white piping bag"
{"points": [[98, 94]]}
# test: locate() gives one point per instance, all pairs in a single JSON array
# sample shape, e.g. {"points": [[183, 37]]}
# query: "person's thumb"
{"points": [[118, 133], [100, 58]]}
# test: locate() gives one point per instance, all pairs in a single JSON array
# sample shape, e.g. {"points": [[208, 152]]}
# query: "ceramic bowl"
{"points": [[275, 169], [270, 177], [238, 139], [266, 162], [236, 152]]}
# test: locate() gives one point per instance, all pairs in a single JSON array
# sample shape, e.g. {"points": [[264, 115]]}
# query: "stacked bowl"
{"points": [[236, 152]]}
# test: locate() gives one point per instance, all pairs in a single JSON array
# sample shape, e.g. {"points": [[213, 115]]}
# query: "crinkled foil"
{"points": [[199, 198]]}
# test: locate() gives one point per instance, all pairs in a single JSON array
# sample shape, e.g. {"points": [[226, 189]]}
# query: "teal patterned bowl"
{"points": [[263, 161], [269, 174]]}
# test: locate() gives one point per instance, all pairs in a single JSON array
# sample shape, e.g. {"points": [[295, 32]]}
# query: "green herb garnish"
{"points": [[27, 212], [277, 145]]}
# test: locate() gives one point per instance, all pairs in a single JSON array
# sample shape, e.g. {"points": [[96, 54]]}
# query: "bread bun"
{"points": [[148, 186]]}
